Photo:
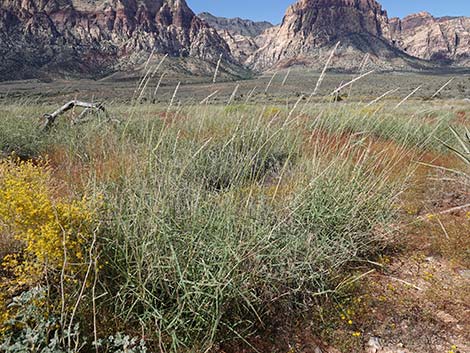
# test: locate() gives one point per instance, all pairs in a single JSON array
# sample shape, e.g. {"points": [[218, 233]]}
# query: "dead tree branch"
{"points": [[50, 119]]}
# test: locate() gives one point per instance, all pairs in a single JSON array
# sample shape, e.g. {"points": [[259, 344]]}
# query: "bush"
{"points": [[43, 226], [38, 331], [51, 237], [21, 136]]}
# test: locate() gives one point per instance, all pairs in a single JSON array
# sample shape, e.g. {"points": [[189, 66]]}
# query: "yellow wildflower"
{"points": [[52, 232]]}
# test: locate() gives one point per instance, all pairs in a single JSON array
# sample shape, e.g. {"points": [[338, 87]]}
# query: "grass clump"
{"points": [[403, 126], [22, 137], [210, 236]]}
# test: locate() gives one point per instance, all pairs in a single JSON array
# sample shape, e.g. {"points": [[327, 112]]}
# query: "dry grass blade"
{"points": [[216, 72], [234, 93], [206, 100], [443, 87], [407, 97], [382, 96], [344, 85], [323, 73], [286, 77], [463, 154], [270, 82], [146, 81]]}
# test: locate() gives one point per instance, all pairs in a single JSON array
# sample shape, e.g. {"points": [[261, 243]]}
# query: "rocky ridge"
{"points": [[236, 26], [242, 36], [310, 28], [445, 39], [99, 36]]}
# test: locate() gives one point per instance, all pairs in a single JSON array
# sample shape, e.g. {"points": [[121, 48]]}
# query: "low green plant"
{"points": [[32, 329], [35, 330]]}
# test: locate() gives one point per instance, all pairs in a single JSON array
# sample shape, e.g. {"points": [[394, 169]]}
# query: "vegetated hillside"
{"points": [[99, 37]]}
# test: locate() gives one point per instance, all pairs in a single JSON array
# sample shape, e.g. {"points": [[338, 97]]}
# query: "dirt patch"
{"points": [[418, 300]]}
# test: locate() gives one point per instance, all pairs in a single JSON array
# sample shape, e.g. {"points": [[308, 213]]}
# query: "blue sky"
{"points": [[273, 10]]}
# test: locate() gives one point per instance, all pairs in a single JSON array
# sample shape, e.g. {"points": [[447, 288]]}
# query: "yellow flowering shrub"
{"points": [[52, 233]]}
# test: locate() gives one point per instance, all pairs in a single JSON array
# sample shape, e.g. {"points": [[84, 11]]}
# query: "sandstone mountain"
{"points": [[444, 40], [99, 36], [242, 47], [311, 27]]}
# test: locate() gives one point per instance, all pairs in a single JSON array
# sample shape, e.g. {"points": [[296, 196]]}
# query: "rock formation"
{"points": [[99, 36], [443, 40], [312, 27], [241, 35]]}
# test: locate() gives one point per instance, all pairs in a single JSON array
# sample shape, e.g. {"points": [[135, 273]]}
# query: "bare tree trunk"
{"points": [[89, 107]]}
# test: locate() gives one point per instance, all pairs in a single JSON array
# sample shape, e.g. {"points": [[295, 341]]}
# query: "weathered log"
{"points": [[50, 119]]}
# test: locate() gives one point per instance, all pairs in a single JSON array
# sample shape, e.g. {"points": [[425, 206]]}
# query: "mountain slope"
{"points": [[240, 35], [236, 26], [312, 27], [99, 36], [445, 40]]}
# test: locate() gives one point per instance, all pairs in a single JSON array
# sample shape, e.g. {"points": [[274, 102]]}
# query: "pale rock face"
{"points": [[242, 47], [242, 36], [311, 25], [445, 39], [99, 35]]}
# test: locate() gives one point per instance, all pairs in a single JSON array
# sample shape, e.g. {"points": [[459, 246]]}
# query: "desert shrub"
{"points": [[39, 331], [31, 327], [52, 237], [30, 215]]}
